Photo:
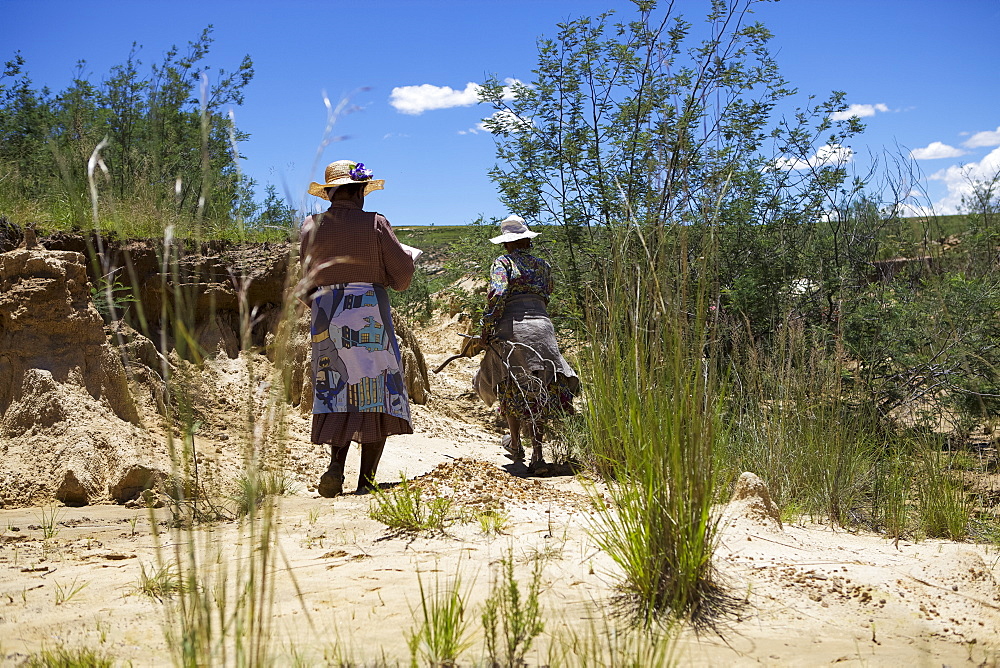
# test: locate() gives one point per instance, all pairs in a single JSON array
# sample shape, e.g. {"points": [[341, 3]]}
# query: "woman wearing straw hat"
{"points": [[349, 256], [523, 369]]}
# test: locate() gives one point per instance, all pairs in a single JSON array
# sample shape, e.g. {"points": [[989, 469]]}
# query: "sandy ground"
{"points": [[347, 588]]}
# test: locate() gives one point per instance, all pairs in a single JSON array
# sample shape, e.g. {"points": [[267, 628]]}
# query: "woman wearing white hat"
{"points": [[523, 369], [349, 256]]}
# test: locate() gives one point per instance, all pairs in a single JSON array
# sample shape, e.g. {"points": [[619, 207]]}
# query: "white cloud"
{"points": [[830, 154], [936, 150], [476, 129], [985, 138], [959, 180], [416, 100], [859, 110], [506, 120], [426, 97]]}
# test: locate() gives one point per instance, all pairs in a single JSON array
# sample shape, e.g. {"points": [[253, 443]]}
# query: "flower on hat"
{"points": [[361, 173]]}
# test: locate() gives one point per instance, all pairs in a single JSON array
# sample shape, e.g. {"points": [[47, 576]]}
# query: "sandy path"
{"points": [[813, 595]]}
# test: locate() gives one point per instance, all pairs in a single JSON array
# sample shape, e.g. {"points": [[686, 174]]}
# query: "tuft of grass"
{"points": [[253, 487], [492, 521], [66, 594], [314, 514], [512, 618], [69, 658], [441, 633], [654, 416], [49, 521], [160, 583], [403, 508]]}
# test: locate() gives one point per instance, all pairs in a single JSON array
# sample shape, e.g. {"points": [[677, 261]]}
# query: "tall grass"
{"points": [[944, 507], [891, 495], [604, 645], [653, 418], [823, 448], [219, 615], [796, 425], [222, 613]]}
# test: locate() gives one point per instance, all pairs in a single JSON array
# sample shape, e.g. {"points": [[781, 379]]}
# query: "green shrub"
{"points": [[512, 619]]}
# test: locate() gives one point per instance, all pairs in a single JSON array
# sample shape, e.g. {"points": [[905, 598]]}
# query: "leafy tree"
{"points": [[275, 213], [654, 124], [192, 141], [124, 97], [24, 128], [169, 141]]}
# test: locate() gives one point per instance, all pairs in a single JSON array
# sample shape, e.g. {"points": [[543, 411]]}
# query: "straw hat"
{"points": [[341, 173], [513, 228]]}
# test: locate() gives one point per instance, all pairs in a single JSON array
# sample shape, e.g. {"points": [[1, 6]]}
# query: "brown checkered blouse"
{"points": [[346, 244]]}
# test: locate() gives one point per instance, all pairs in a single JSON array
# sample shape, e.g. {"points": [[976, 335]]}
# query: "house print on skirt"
{"points": [[355, 357]]}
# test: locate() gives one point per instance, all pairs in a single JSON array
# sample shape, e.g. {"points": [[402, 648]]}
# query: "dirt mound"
{"points": [[751, 503], [69, 428], [964, 572], [218, 284]]}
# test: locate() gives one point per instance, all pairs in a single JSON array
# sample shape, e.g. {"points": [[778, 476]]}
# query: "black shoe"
{"points": [[331, 483]]}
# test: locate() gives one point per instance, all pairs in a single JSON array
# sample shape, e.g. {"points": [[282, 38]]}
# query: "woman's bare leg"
{"points": [[537, 430], [514, 425]]}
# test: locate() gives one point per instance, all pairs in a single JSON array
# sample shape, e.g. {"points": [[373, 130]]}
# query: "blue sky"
{"points": [[923, 74]]}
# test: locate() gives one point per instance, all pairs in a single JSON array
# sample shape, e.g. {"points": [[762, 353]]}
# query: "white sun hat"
{"points": [[513, 228]]}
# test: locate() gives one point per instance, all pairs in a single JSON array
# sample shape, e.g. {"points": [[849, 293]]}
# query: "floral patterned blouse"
{"points": [[515, 273]]}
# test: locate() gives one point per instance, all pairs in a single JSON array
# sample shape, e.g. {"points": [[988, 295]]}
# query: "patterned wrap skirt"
{"points": [[524, 372], [358, 389]]}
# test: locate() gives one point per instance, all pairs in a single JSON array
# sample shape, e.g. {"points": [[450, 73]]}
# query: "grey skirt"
{"points": [[526, 358]]}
